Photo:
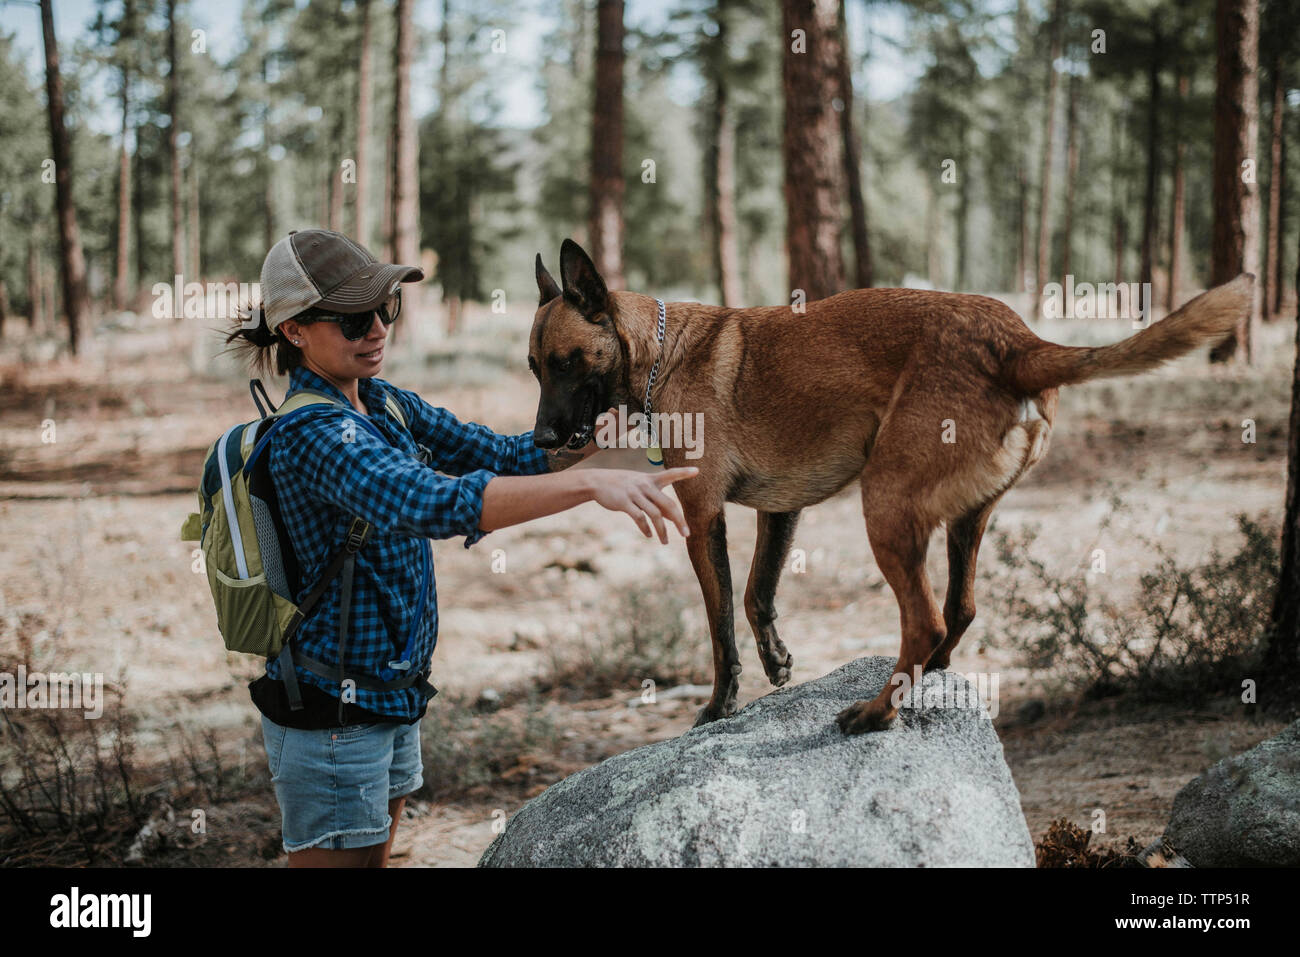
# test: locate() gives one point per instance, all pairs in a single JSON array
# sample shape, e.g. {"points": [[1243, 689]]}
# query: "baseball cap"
{"points": [[324, 269]]}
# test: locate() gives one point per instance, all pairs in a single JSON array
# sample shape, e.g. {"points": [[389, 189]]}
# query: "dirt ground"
{"points": [[99, 459]]}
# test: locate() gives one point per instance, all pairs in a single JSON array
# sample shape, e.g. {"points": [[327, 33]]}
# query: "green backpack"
{"points": [[250, 563]]}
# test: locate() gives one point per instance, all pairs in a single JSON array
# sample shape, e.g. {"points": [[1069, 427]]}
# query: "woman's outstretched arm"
{"points": [[510, 500]]}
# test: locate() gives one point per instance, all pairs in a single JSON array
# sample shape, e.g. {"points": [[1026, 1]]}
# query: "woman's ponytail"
{"points": [[264, 351]]}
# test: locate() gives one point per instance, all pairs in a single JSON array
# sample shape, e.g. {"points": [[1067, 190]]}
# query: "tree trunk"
{"points": [[406, 226], [173, 146], [853, 162], [605, 211], [268, 223], [1021, 283], [932, 265], [1236, 202], [72, 262], [450, 297], [1282, 657], [1281, 227], [454, 311], [720, 170], [1119, 195], [1043, 260], [360, 207], [138, 228], [963, 209], [120, 281], [50, 309], [1273, 245], [335, 218], [1177, 212], [1153, 159], [811, 144], [194, 227], [386, 226], [35, 321], [1121, 241], [1071, 173]]}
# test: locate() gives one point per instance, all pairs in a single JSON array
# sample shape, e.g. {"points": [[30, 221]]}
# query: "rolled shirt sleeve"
{"points": [[387, 487], [461, 447]]}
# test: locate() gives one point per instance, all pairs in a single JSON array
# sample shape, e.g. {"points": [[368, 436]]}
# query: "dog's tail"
{"points": [[1207, 318]]}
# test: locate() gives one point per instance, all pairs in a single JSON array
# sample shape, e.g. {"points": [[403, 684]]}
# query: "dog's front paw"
{"points": [[862, 716], [779, 669], [936, 663], [711, 713], [704, 716]]}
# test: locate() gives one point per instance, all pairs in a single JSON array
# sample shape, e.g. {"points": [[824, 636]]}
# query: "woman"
{"points": [[343, 756]]}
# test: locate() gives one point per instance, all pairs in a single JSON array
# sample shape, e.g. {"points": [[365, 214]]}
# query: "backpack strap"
{"points": [[255, 386], [356, 539], [390, 403]]}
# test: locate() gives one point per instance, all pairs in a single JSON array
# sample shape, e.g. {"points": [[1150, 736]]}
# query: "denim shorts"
{"points": [[333, 785]]}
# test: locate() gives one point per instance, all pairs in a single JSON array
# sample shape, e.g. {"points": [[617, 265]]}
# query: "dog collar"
{"points": [[653, 452]]}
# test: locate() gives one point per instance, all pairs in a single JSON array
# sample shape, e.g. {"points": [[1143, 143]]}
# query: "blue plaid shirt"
{"points": [[327, 467]]}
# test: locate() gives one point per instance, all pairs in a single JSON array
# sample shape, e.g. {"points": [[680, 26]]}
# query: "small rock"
{"points": [[1243, 811]]}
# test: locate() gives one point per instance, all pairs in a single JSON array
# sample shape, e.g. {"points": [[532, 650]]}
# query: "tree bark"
{"points": [[268, 223], [605, 211], [1281, 226], [963, 209], [335, 216], [1043, 260], [1153, 160], [360, 207], [811, 144], [932, 265], [720, 185], [35, 321], [853, 162], [120, 280], [1119, 198], [1178, 208], [173, 146], [1021, 283], [1071, 173], [194, 227], [1236, 202], [1282, 656], [386, 224], [406, 226], [1273, 245], [451, 299], [72, 262]]}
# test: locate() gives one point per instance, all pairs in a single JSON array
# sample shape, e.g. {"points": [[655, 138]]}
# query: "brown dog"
{"points": [[937, 403]]}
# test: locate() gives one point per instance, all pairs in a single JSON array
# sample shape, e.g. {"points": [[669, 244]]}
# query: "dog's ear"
{"points": [[582, 283], [547, 287]]}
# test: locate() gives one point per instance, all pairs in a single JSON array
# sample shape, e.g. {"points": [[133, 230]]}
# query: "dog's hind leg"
{"points": [[964, 535], [708, 553], [775, 533], [899, 542]]}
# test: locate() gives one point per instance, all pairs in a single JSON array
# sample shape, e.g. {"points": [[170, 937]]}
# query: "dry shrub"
{"points": [[1066, 845], [643, 637], [1189, 633]]}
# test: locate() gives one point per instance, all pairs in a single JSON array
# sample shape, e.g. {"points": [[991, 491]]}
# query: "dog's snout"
{"points": [[545, 437]]}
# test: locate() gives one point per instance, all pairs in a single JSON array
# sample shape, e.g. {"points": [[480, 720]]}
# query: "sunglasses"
{"points": [[356, 325]]}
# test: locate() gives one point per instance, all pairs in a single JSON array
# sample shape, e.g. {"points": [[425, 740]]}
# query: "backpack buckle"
{"points": [[357, 534]]}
